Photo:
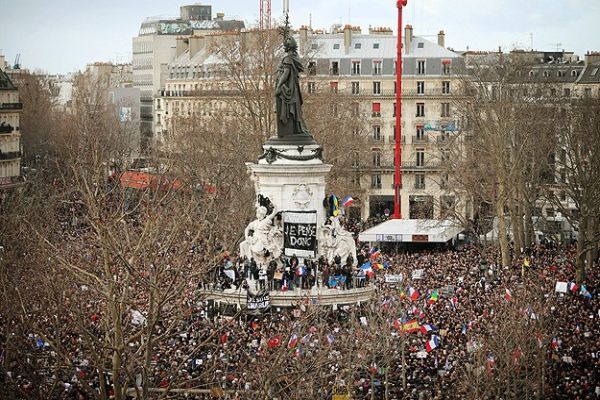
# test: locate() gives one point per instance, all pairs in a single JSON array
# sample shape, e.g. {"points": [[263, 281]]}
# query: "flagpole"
{"points": [[398, 151]]}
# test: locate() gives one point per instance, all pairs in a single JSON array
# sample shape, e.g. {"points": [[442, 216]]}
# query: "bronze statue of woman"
{"points": [[290, 123]]}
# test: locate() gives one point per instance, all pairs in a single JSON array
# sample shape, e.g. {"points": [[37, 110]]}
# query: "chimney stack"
{"points": [[303, 38], [442, 39], [592, 57], [408, 37], [347, 38]]}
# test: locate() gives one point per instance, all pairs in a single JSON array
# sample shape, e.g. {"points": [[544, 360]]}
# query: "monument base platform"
{"points": [[321, 296]]}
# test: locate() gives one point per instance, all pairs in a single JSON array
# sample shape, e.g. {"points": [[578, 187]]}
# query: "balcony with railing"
{"points": [[10, 155], [197, 93], [4, 129], [412, 165], [11, 106], [420, 139]]}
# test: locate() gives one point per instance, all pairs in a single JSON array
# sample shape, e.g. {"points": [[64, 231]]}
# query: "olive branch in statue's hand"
{"points": [[284, 30]]}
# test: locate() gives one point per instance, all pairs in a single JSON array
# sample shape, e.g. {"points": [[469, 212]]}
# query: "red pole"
{"points": [[398, 152]]}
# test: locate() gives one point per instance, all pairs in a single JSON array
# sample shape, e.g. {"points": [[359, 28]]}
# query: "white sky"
{"points": [[61, 36]]}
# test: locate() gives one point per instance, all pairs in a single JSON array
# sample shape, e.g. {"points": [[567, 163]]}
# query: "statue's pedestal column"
{"points": [[292, 177]]}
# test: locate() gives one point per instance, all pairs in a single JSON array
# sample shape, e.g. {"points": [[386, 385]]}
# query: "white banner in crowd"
{"points": [[394, 278], [418, 274], [561, 287]]}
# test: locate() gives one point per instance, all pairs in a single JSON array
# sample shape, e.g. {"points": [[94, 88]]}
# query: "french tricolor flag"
{"points": [[413, 293], [427, 328], [432, 343], [293, 341], [347, 201], [573, 287]]}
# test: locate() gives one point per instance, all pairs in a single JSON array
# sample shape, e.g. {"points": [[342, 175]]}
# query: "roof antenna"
{"points": [[350, 12]]}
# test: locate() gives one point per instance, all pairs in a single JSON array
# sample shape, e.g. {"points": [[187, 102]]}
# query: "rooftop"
{"points": [[5, 82]]}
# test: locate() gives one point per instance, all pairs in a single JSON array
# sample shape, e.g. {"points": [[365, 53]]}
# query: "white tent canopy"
{"points": [[412, 231]]}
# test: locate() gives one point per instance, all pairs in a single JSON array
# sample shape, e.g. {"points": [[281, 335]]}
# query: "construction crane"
{"points": [[16, 65], [265, 15]]}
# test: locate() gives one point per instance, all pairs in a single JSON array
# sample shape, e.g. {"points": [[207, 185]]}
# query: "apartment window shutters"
{"points": [[376, 109]]}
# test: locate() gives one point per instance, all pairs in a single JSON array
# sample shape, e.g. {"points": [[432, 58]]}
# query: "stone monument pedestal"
{"points": [[293, 178], [293, 181]]}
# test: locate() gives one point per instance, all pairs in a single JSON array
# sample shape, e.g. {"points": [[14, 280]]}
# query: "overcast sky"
{"points": [[60, 36]]}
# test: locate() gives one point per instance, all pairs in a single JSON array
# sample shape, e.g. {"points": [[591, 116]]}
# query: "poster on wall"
{"points": [[300, 233]]}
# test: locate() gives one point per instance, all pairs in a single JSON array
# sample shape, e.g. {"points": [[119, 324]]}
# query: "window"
{"points": [[445, 87], [376, 181], [444, 181], [531, 73], [546, 74], [376, 87], [446, 67], [574, 73], [420, 158], [445, 110], [312, 68], [567, 92], [420, 109], [311, 87], [445, 155], [376, 110], [419, 181], [560, 73], [377, 158], [357, 46], [447, 205], [420, 134], [375, 45], [377, 132], [334, 109], [420, 67], [420, 45], [355, 67], [420, 87], [553, 92], [355, 109], [335, 68], [587, 92], [394, 111], [377, 67], [356, 160], [355, 87], [336, 46], [333, 86]]}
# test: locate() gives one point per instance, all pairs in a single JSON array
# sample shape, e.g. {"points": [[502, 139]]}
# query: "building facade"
{"points": [[362, 66], [154, 48], [10, 137]]}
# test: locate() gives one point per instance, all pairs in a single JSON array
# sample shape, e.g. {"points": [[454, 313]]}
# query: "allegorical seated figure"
{"points": [[263, 240], [335, 240]]}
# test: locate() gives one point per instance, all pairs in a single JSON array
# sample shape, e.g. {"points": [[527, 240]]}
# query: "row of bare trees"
{"points": [[525, 148]]}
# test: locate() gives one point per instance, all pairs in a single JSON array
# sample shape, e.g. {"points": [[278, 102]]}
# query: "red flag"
{"points": [[274, 342]]}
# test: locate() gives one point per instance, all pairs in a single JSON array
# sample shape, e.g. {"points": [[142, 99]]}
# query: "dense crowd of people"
{"points": [[443, 326]]}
